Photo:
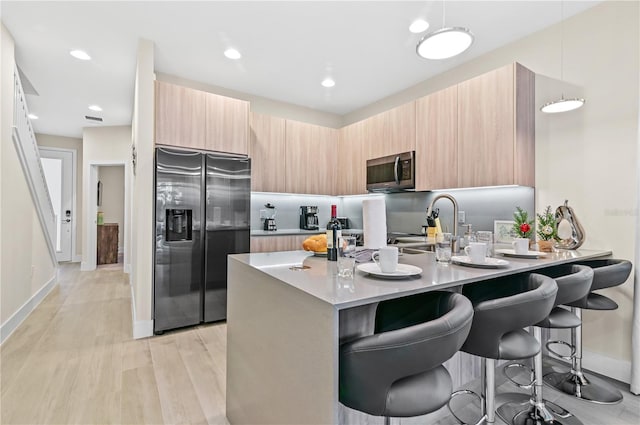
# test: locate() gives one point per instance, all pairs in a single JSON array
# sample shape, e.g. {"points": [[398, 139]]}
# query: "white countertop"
{"points": [[285, 232], [320, 280]]}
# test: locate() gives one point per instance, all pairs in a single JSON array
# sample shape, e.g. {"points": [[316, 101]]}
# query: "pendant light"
{"points": [[562, 104], [444, 43]]}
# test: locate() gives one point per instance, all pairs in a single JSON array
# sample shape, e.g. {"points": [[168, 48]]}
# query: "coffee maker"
{"points": [[269, 216], [309, 218]]}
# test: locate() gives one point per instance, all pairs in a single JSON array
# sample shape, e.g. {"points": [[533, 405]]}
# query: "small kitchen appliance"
{"points": [[269, 217], [309, 217]]}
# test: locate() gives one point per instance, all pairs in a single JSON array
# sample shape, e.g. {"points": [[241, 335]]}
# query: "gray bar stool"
{"points": [[502, 307], [606, 274], [398, 372], [574, 282]]}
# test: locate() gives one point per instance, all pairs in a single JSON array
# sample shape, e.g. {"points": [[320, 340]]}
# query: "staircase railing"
{"points": [[24, 140]]}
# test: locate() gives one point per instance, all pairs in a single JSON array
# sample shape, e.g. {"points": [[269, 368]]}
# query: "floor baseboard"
{"points": [[9, 326]]}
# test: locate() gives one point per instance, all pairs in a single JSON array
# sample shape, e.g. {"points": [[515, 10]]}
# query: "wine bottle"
{"points": [[334, 233]]}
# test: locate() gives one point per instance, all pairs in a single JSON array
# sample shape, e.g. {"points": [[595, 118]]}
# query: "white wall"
{"points": [[103, 146], [25, 264], [47, 140], [112, 178], [143, 192], [587, 156]]}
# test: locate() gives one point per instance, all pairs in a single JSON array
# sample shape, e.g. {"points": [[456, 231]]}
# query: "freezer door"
{"points": [[178, 243], [228, 191]]}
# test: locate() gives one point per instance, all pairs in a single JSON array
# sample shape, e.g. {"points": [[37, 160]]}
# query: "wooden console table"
{"points": [[107, 243]]}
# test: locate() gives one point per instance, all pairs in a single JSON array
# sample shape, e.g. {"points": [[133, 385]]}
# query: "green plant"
{"points": [[547, 229], [522, 226]]}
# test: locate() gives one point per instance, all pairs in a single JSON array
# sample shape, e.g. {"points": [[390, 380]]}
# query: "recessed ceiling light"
{"points": [[80, 54], [33, 116], [232, 54], [418, 26], [328, 82], [95, 108]]}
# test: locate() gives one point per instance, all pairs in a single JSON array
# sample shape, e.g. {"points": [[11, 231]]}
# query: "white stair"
{"points": [[24, 140]]}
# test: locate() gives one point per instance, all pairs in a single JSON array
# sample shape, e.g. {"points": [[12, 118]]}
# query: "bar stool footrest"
{"points": [[557, 354], [516, 383], [465, 392]]}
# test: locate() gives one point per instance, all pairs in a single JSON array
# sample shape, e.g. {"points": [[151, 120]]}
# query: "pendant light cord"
{"points": [[562, 41], [443, 10]]}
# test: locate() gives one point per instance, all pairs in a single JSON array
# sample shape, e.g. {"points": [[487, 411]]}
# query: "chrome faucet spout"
{"points": [[454, 242]]}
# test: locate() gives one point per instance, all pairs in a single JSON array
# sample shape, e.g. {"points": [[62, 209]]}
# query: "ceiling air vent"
{"points": [[90, 118]]}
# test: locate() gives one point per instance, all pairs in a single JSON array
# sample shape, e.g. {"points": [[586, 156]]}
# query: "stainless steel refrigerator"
{"points": [[202, 215]]}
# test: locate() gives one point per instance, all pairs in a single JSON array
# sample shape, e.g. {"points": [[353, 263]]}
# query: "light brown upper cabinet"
{"points": [[227, 124], [267, 152], [352, 167], [196, 119], [496, 130], [437, 140], [310, 158], [179, 116], [391, 132]]}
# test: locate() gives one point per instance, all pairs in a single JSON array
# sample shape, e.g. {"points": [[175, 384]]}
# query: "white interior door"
{"points": [[58, 172]]}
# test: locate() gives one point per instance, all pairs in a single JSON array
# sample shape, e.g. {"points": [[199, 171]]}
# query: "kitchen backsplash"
{"points": [[406, 212]]}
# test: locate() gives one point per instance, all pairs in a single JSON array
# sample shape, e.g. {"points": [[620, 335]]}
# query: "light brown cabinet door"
{"points": [[227, 124], [179, 116], [391, 132], [352, 167], [486, 129], [437, 140], [277, 243], [496, 128], [310, 158], [267, 153]]}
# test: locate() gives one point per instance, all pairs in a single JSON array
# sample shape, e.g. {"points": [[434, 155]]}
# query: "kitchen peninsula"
{"points": [[288, 313]]}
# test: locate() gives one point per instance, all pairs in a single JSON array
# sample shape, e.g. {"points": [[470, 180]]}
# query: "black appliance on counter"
{"points": [[309, 218], [344, 222], [269, 222], [202, 215]]}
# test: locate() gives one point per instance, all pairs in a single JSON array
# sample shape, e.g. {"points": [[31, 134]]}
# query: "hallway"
{"points": [[74, 361]]}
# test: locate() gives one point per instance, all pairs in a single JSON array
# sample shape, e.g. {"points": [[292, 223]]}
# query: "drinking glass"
{"points": [[443, 248], [486, 237], [346, 256]]}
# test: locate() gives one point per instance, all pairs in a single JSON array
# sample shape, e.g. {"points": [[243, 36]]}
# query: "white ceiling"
{"points": [[287, 48]]}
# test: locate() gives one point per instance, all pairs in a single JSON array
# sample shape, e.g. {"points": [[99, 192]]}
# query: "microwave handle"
{"points": [[395, 169]]}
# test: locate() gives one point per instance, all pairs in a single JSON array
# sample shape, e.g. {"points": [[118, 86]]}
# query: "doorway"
{"points": [[90, 229], [110, 215], [59, 167]]}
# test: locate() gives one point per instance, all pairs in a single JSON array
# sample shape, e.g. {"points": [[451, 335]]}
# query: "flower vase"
{"points": [[545, 246]]}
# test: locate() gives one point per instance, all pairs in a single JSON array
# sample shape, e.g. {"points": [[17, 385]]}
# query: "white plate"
{"points": [[490, 263], [528, 254], [403, 271], [320, 253]]}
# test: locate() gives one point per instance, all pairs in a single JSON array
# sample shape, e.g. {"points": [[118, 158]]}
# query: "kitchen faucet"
{"points": [[454, 241]]}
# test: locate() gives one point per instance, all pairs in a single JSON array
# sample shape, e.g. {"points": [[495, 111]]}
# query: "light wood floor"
{"points": [[73, 361]]}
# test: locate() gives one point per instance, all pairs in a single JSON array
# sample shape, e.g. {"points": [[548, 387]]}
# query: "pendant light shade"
{"points": [[562, 105], [444, 43]]}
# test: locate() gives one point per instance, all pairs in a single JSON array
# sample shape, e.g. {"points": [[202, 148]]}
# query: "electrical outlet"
{"points": [[263, 214], [462, 217]]}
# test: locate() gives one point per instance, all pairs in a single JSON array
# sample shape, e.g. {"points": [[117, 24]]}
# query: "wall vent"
{"points": [[90, 118]]}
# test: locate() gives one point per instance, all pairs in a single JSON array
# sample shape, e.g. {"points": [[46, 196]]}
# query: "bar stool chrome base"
{"points": [[526, 412], [578, 385]]}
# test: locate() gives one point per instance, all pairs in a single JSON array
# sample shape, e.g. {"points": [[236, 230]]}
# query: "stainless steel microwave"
{"points": [[391, 173]]}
